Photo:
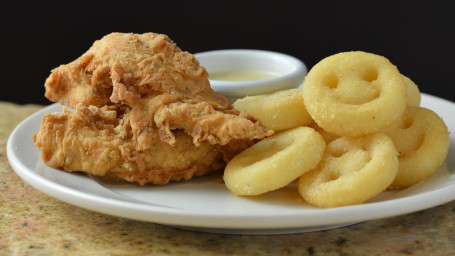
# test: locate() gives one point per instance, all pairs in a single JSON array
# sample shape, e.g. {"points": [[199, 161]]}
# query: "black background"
{"points": [[417, 36]]}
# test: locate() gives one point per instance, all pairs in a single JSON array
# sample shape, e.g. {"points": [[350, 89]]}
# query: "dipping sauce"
{"points": [[239, 76]]}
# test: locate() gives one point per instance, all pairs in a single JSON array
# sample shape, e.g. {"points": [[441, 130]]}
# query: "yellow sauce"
{"points": [[239, 76]]}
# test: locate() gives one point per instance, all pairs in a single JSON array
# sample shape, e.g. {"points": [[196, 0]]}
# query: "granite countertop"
{"points": [[32, 223]]}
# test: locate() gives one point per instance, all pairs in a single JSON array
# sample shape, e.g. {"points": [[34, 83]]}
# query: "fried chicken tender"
{"points": [[99, 141], [205, 123], [125, 67], [144, 111]]}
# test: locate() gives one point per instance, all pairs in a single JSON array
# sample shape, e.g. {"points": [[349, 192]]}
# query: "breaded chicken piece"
{"points": [[147, 72], [125, 67], [203, 120], [206, 123], [99, 141], [144, 111]]}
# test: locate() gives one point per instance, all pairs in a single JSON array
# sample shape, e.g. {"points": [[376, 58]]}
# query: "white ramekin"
{"points": [[289, 72]]}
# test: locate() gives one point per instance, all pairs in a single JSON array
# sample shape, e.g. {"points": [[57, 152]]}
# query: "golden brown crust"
{"points": [[99, 141], [144, 111], [123, 68], [206, 123]]}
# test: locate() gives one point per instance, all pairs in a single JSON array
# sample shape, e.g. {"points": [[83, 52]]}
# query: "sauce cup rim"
{"points": [[290, 79]]}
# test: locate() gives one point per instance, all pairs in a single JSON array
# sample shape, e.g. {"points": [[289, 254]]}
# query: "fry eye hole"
{"points": [[407, 122], [332, 176], [331, 81], [339, 152], [370, 74]]}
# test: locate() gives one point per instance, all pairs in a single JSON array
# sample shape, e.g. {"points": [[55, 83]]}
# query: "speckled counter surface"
{"points": [[32, 223]]}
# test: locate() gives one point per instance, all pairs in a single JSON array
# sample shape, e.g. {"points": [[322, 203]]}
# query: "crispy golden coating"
{"points": [[203, 120], [87, 140], [99, 141], [206, 123], [123, 68], [144, 111]]}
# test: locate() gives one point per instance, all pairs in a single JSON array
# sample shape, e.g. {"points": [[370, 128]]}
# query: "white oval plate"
{"points": [[204, 204]]}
